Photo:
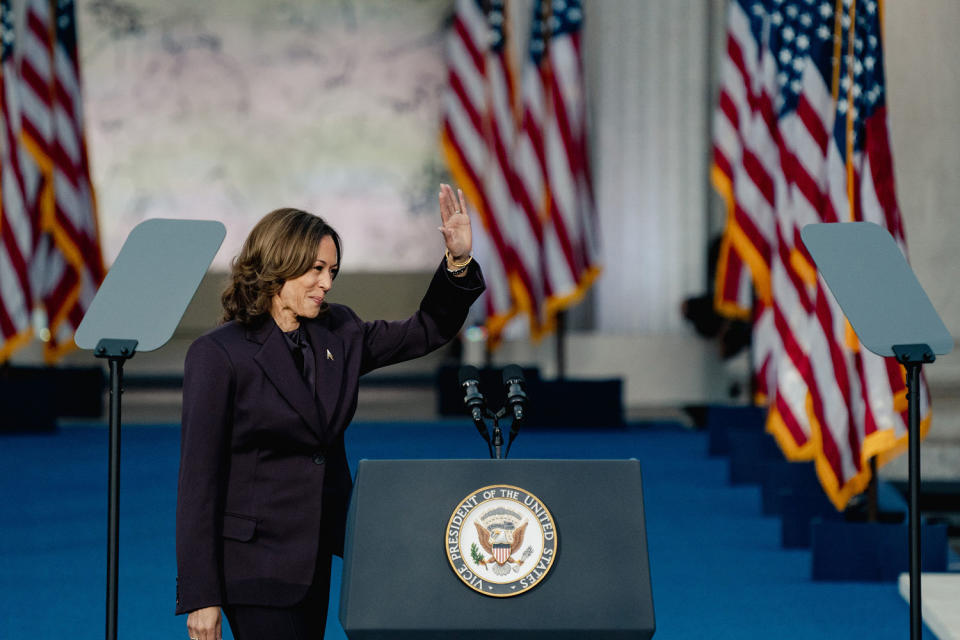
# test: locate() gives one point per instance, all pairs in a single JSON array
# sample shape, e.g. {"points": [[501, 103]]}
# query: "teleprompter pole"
{"points": [[913, 373], [913, 356], [116, 352]]}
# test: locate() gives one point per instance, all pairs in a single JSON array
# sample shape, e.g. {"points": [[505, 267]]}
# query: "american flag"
{"points": [[570, 246], [65, 267], [477, 137], [17, 230], [521, 158], [801, 137]]}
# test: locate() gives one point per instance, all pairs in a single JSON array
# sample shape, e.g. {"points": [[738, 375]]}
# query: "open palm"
{"points": [[456, 229]]}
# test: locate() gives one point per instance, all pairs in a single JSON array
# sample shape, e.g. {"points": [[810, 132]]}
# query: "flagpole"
{"points": [[560, 344], [872, 507]]}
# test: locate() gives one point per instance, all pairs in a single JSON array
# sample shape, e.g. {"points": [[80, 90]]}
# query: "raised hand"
{"points": [[456, 228]]}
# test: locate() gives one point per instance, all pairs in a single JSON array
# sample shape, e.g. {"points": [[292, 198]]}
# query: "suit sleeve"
{"points": [[208, 391], [442, 312]]}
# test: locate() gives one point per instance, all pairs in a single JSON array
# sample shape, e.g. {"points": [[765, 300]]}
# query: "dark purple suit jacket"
{"points": [[264, 483]]}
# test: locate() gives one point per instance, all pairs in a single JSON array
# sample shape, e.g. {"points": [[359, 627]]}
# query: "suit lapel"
{"points": [[329, 353], [277, 364]]}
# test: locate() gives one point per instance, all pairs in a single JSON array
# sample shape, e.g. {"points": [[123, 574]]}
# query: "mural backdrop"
{"points": [[227, 109]]}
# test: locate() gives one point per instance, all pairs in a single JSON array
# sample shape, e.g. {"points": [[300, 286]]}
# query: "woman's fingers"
{"points": [[204, 624], [448, 208], [447, 203]]}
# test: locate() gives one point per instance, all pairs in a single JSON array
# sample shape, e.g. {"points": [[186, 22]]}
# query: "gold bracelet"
{"points": [[457, 265]]}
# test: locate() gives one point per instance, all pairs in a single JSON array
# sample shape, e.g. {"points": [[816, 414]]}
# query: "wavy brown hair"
{"points": [[282, 246]]}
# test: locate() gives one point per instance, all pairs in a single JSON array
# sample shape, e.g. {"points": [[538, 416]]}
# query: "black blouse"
{"points": [[303, 355]]}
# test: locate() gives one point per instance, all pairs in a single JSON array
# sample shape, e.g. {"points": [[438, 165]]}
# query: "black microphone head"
{"points": [[512, 373], [468, 373]]}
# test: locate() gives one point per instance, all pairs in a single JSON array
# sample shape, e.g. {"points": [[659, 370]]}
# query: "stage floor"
{"points": [[717, 567]]}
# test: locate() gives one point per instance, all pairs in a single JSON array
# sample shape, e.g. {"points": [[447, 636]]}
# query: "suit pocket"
{"points": [[237, 527]]}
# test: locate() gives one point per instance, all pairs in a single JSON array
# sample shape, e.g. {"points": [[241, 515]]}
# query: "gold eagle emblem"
{"points": [[498, 536]]}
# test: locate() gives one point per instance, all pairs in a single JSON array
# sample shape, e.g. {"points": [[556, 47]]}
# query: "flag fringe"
{"points": [[14, 343], [734, 239], [882, 444]]}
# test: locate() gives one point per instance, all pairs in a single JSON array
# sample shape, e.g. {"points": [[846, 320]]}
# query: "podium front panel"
{"points": [[399, 583]]}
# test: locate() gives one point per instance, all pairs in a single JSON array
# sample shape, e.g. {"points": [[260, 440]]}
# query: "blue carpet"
{"points": [[716, 564]]}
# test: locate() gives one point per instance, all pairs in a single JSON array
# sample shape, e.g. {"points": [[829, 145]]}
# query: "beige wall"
{"points": [[924, 101], [923, 98]]}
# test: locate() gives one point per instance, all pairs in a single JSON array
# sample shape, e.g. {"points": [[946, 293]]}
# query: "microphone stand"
{"points": [[484, 433], [498, 435], [514, 430]]}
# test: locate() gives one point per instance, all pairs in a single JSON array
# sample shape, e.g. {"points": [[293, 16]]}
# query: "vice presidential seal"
{"points": [[501, 540]]}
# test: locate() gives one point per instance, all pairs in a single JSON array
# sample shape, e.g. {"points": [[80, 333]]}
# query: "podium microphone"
{"points": [[514, 382], [470, 381]]}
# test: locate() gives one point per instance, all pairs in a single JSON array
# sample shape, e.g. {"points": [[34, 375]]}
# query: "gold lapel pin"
{"points": [[329, 355]]}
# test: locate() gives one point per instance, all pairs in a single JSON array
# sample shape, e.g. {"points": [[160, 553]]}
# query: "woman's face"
{"points": [[302, 296]]}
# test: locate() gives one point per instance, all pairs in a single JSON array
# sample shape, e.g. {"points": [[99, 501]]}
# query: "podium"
{"points": [[399, 580]]}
